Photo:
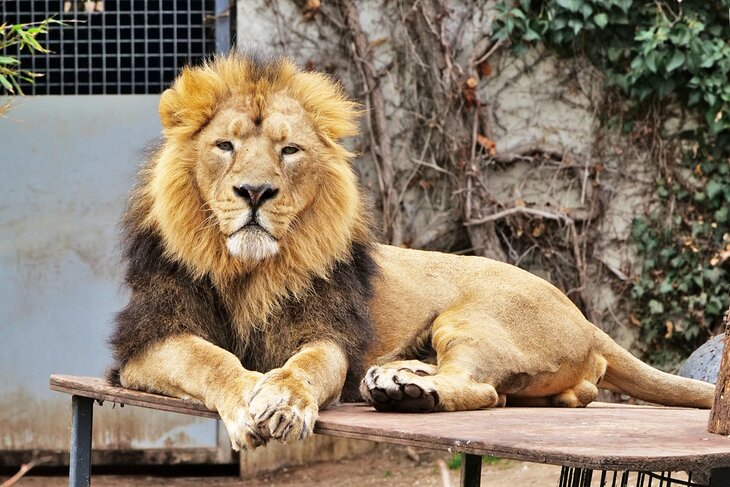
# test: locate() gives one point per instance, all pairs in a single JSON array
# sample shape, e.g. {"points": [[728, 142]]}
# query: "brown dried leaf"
{"points": [[488, 144], [311, 8], [538, 230], [670, 329], [485, 69], [634, 320]]}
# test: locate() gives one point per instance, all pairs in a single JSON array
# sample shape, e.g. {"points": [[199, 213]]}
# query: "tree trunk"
{"points": [[720, 415]]}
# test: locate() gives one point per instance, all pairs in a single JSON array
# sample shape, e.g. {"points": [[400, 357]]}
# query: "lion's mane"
{"points": [[180, 275]]}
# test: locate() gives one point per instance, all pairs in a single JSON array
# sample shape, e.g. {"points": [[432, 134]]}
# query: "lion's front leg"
{"points": [[285, 402], [188, 366]]}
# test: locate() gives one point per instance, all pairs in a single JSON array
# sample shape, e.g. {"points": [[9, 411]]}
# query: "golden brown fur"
{"points": [[256, 288]]}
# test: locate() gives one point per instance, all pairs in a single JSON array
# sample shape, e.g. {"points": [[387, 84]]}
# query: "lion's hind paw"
{"points": [[398, 390]]}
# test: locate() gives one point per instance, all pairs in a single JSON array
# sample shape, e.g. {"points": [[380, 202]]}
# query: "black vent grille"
{"points": [[114, 47]]}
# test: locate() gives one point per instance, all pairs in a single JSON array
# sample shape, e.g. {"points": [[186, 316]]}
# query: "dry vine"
{"points": [[440, 143]]}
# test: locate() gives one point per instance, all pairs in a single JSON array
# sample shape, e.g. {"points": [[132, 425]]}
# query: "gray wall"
{"points": [[67, 167]]}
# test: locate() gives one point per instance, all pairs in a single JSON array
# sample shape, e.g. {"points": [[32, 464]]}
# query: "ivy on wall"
{"points": [[659, 53]]}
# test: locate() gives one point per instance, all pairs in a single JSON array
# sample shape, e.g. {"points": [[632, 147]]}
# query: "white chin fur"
{"points": [[252, 245]]}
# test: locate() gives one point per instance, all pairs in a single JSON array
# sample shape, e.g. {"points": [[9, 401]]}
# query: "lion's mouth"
{"points": [[252, 225], [252, 241]]}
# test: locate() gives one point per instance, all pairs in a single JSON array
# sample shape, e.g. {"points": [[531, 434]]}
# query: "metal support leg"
{"points": [[471, 470], [720, 477], [82, 413]]}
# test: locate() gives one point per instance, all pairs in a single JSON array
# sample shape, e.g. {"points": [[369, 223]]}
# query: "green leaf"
{"points": [[572, 5], [4, 81], [676, 61], [601, 20], [517, 13], [721, 215], [713, 188], [8, 60], [586, 10], [655, 307], [531, 35], [666, 287], [713, 275], [576, 25], [650, 61]]}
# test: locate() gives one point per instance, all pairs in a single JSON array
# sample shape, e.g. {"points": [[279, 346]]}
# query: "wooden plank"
{"points": [[97, 388], [602, 436], [634, 438]]}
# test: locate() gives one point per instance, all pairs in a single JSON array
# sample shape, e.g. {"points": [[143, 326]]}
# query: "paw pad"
{"points": [[398, 392]]}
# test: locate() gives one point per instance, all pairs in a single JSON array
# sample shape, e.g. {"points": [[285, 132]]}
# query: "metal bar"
{"points": [[103, 54], [119, 48], [82, 415], [471, 470], [176, 65], [720, 477], [34, 90], [222, 26]]}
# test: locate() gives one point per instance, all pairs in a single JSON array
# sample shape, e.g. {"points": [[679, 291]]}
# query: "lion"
{"points": [[257, 288]]}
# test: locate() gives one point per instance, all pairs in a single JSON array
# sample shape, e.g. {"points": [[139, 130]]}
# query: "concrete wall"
{"points": [[68, 164]]}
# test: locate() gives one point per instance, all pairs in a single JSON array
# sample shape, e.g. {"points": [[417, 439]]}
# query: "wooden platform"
{"points": [[602, 436]]}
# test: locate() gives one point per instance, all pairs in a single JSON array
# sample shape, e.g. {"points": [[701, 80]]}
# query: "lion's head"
{"points": [[251, 173]]}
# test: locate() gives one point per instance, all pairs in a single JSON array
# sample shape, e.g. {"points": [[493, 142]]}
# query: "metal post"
{"points": [[720, 477], [82, 414], [471, 470], [222, 26]]}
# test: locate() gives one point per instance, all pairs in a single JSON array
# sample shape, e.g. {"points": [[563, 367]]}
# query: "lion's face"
{"points": [[258, 173], [252, 171]]}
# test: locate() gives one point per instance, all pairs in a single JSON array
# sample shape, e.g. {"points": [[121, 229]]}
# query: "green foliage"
{"points": [[25, 37], [654, 52], [648, 49], [454, 461], [683, 290]]}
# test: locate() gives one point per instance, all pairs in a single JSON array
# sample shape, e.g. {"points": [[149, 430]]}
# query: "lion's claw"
{"points": [[282, 407], [242, 431]]}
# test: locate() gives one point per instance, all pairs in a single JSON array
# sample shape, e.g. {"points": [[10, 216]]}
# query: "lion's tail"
{"points": [[631, 376]]}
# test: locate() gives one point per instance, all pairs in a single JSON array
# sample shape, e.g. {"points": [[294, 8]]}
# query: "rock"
{"points": [[704, 363]]}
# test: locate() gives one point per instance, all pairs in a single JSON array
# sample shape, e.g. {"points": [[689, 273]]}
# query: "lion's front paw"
{"points": [[282, 406], [241, 429]]}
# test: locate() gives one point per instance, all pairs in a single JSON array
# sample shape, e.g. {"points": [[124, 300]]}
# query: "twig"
{"points": [[24, 469], [521, 151], [489, 52], [279, 26], [445, 477], [391, 211], [582, 271], [519, 209]]}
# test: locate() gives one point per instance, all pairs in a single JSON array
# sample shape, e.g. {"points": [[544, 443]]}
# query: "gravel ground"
{"points": [[394, 466]]}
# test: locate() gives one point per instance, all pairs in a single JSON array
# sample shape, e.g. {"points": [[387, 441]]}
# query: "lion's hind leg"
{"points": [[578, 396], [400, 389]]}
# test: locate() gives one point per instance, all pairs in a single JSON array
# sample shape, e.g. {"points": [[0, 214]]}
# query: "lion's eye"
{"points": [[225, 145], [289, 150]]}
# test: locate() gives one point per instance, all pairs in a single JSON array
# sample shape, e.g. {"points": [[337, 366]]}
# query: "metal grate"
{"points": [[115, 46], [582, 477]]}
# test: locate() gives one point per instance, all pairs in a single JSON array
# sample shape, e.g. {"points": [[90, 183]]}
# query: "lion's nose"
{"points": [[256, 195]]}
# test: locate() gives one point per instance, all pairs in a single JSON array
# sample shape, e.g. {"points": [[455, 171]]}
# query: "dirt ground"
{"points": [[394, 466]]}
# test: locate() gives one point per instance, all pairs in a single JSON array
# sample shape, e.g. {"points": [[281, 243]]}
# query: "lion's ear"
{"points": [[191, 102], [333, 113], [169, 106]]}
